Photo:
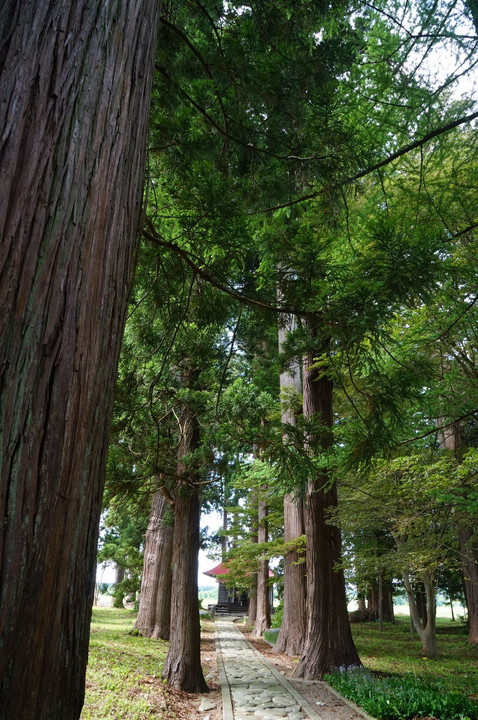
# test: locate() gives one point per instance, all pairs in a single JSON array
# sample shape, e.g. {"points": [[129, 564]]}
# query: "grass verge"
{"points": [[123, 678], [398, 683], [395, 651]]}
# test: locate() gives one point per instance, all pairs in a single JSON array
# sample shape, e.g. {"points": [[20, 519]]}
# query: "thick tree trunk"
{"points": [[426, 631], [183, 668], [154, 613], [252, 611], [75, 86], [292, 632], [329, 642], [263, 607], [469, 552], [183, 663]]}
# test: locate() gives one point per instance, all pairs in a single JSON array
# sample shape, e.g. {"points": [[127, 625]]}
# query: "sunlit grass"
{"points": [[123, 678], [395, 651]]}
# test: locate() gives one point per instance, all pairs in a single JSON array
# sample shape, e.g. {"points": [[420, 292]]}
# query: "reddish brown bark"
{"points": [[154, 612], [183, 668], [75, 86], [329, 642]]}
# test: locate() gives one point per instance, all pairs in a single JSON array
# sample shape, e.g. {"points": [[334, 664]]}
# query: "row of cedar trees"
{"points": [[75, 91], [315, 622], [315, 619]]}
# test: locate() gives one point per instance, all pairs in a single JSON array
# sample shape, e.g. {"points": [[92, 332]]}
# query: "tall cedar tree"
{"points": [[75, 85]]}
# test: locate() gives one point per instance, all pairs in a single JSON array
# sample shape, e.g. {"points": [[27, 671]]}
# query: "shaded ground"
{"points": [[185, 706]]}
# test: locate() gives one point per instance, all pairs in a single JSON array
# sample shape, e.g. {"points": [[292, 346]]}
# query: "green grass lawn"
{"points": [[123, 678], [396, 652]]}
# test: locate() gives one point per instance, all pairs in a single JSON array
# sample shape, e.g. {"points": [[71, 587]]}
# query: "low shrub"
{"points": [[400, 698], [271, 635]]}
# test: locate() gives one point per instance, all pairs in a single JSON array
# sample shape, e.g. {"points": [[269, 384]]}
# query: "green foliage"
{"points": [[271, 635], [276, 618], [400, 698]]}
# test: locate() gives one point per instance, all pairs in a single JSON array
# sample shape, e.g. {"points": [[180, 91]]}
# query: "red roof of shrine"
{"points": [[223, 569]]}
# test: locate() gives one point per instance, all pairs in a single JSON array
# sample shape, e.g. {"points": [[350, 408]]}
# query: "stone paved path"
{"points": [[251, 688]]}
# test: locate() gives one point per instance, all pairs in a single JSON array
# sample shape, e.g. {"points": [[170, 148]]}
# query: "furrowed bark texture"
{"points": [[329, 642], [183, 662], [183, 668], [154, 612], [75, 85], [292, 632]]}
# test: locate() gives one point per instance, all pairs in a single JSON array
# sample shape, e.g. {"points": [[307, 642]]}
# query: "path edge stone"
{"points": [[313, 715], [308, 708], [227, 711]]}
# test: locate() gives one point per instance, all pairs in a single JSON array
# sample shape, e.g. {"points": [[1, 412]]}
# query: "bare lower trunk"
{"points": [[293, 628], [75, 83], [252, 612], [329, 642], [183, 668], [263, 608], [291, 636], [469, 550], [426, 632], [183, 663], [154, 612]]}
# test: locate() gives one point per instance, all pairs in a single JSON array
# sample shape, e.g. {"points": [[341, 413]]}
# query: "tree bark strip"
{"points": [[293, 628], [329, 642], [182, 667], [154, 612], [75, 90], [263, 606]]}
